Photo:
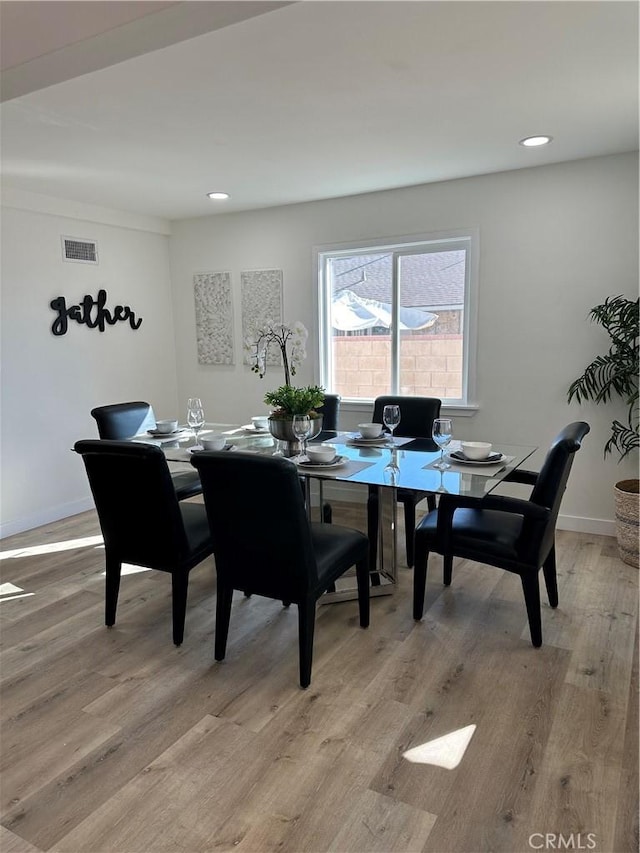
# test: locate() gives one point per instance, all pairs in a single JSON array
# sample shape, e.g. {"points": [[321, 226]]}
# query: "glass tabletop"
{"points": [[245, 437], [410, 466], [407, 464]]}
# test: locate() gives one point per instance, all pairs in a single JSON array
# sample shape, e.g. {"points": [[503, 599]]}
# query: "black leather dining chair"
{"points": [[267, 545], [417, 415], [119, 421], [510, 533], [142, 521], [123, 420], [330, 411]]}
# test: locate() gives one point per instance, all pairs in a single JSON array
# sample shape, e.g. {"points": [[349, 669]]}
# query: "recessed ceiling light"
{"points": [[532, 141], [218, 196]]}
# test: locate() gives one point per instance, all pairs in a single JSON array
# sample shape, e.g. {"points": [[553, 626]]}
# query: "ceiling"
{"points": [[147, 106]]}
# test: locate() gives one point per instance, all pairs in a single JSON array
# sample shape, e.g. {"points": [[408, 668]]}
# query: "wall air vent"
{"points": [[79, 251]]}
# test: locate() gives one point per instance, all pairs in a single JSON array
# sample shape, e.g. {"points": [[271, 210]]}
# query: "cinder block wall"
{"points": [[430, 365]]}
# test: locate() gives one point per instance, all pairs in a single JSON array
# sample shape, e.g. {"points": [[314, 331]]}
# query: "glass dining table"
{"points": [[384, 464]]}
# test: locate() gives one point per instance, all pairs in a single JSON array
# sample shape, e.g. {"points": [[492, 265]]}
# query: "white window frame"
{"points": [[467, 238]]}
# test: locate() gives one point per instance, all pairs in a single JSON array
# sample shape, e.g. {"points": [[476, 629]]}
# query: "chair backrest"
{"points": [[330, 411], [259, 526], [122, 420], [417, 414], [552, 482], [136, 502]]}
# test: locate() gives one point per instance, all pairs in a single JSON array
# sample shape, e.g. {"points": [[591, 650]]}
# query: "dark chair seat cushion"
{"points": [[187, 484], [336, 549], [196, 527], [497, 532]]}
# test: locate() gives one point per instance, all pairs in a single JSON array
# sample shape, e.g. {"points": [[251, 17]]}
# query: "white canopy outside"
{"points": [[350, 313]]}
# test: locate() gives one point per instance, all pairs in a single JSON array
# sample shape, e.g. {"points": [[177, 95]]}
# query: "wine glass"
{"points": [[441, 490], [442, 434], [391, 418], [301, 427], [391, 472], [195, 415]]}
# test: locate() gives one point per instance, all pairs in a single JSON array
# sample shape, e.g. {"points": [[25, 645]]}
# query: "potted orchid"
{"points": [[287, 400]]}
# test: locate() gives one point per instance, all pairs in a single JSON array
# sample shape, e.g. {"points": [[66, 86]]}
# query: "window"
{"points": [[398, 318]]}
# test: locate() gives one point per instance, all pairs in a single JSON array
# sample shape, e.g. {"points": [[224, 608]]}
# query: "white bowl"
{"points": [[212, 440], [370, 430], [321, 452], [476, 450], [166, 426], [260, 421]]}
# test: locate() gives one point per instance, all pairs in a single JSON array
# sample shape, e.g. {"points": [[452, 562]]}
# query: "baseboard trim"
{"points": [[349, 493], [352, 493], [10, 528], [598, 526]]}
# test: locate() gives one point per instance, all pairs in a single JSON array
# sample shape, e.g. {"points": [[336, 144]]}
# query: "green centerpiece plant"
{"points": [[288, 401]]}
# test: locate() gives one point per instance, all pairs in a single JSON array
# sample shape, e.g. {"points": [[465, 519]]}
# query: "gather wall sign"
{"points": [[92, 313]]}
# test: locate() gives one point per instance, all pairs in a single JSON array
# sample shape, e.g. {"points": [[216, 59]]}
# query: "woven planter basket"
{"points": [[626, 501]]}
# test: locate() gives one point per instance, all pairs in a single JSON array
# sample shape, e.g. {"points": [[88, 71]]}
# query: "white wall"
{"points": [[554, 242], [49, 384]]}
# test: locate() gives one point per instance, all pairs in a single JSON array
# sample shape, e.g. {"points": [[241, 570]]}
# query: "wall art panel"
{"points": [[261, 304], [214, 317]]}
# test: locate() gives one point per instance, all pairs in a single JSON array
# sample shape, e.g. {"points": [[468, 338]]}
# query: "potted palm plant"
{"points": [[287, 400], [616, 374]]}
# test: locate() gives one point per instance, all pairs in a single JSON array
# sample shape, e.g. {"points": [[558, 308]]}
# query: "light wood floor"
{"points": [[114, 740]]}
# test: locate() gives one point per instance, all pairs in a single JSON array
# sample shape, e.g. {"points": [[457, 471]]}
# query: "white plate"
{"points": [[381, 439], [257, 430], [336, 463], [456, 461]]}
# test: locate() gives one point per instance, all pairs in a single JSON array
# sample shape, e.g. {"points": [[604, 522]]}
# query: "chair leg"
{"points": [[447, 569], [409, 527], [362, 577], [372, 527], [419, 578], [112, 588], [179, 585], [327, 513], [550, 577], [431, 502], [531, 589], [224, 598], [306, 625]]}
